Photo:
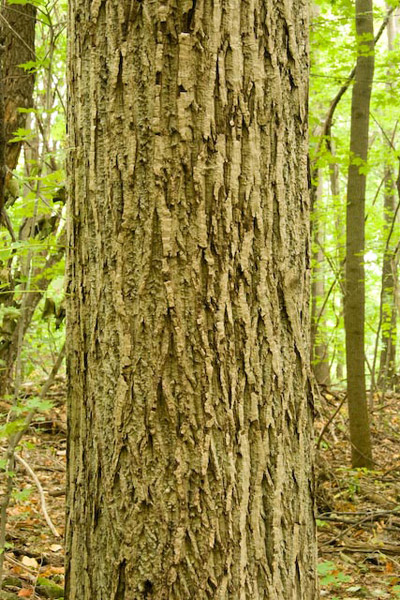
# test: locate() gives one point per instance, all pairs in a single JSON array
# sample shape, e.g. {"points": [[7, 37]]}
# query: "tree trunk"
{"points": [[190, 410], [17, 33], [355, 232], [319, 347], [18, 23], [2, 130], [17, 38], [340, 232], [387, 366]]}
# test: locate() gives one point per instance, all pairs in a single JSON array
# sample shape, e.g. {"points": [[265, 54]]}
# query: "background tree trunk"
{"points": [[17, 33], [319, 347], [190, 437], [387, 366], [355, 232], [340, 231], [18, 23], [17, 37]]}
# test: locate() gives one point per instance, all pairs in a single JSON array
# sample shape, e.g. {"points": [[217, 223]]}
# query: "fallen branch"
{"points": [[20, 565], [35, 478], [388, 549], [340, 516]]}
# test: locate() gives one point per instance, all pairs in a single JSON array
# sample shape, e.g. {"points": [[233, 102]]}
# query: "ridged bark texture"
{"points": [[190, 442], [354, 308]]}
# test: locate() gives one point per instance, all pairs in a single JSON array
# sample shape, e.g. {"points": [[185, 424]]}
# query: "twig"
{"points": [[368, 549], [35, 478], [18, 563], [325, 427], [6, 220], [368, 518], [335, 516]]}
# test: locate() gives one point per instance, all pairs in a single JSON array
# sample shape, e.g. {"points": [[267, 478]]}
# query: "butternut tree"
{"points": [[190, 408]]}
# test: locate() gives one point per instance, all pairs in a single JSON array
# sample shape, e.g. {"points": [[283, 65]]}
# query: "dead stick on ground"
{"points": [[19, 564], [366, 549], [41, 493], [341, 516], [341, 535]]}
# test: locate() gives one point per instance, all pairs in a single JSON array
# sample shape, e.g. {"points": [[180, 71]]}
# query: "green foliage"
{"points": [[32, 243], [9, 429], [334, 20], [321, 524], [330, 575], [22, 495], [23, 135], [31, 260]]}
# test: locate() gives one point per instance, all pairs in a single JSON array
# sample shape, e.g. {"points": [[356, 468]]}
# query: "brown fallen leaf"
{"points": [[32, 563], [25, 593]]}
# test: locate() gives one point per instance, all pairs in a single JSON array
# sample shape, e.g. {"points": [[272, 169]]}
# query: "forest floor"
{"points": [[358, 511]]}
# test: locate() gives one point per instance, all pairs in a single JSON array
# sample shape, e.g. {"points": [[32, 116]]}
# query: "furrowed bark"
{"points": [[189, 401]]}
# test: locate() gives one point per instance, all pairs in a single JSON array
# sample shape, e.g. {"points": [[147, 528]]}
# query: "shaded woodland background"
{"points": [[354, 273]]}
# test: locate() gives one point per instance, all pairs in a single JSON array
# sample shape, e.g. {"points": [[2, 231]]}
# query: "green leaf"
{"points": [[325, 567], [30, 65], [13, 427], [328, 580], [23, 2], [22, 495], [22, 135], [321, 523], [40, 404]]}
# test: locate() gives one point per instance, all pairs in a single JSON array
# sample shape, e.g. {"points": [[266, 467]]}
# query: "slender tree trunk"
{"points": [[2, 129], [319, 348], [355, 234], [340, 231], [387, 367], [190, 438]]}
